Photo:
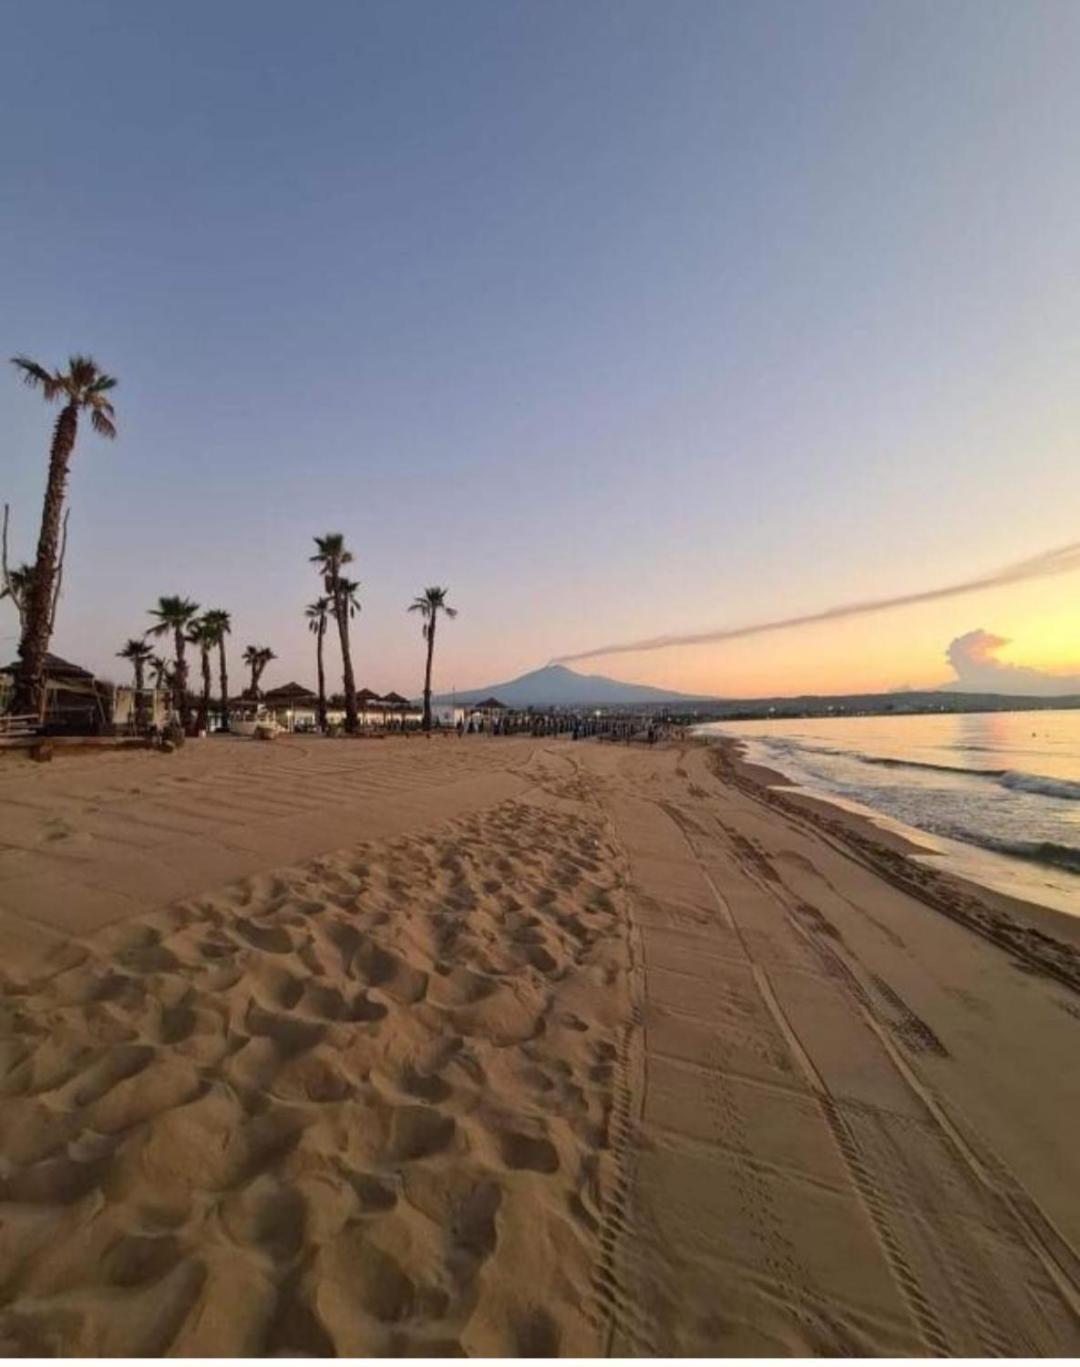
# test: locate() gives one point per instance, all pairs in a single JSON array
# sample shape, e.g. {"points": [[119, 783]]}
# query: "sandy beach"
{"points": [[521, 1047]]}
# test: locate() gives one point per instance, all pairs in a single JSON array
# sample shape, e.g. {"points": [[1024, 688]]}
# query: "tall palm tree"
{"points": [[429, 604], [317, 614], [81, 387], [257, 658], [202, 635], [176, 614], [140, 654], [330, 556], [218, 622]]}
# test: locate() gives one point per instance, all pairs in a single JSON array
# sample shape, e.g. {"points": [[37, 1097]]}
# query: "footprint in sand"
{"points": [[419, 1132]]}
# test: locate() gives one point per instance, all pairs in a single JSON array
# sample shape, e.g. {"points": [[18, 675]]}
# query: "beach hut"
{"points": [[74, 701], [293, 707], [401, 710], [490, 709], [370, 708], [486, 714]]}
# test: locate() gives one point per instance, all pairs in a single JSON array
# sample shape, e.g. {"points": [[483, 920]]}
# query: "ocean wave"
{"points": [[886, 762], [1019, 780], [1037, 851], [1039, 783]]}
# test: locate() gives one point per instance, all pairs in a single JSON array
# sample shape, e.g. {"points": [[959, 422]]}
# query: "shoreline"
{"points": [[1041, 871], [1046, 937]]}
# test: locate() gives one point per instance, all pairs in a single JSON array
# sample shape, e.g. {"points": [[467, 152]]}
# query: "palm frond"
{"points": [[36, 376], [135, 649], [102, 425], [431, 602], [82, 371], [172, 611]]}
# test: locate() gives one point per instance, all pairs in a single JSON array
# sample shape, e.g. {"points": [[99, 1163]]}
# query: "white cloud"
{"points": [[978, 670]]}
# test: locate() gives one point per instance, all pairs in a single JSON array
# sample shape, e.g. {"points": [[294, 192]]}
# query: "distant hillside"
{"points": [[907, 700], [557, 686]]}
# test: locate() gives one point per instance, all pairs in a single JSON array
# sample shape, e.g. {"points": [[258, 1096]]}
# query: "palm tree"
{"points": [[218, 622], [176, 614], [331, 554], [429, 604], [16, 586], [257, 658], [250, 657], [139, 653], [317, 614], [82, 386], [160, 668], [202, 635]]}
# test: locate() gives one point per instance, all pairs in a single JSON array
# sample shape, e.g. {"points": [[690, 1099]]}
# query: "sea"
{"points": [[997, 792]]}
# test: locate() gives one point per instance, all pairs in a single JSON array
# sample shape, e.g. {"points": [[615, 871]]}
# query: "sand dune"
{"points": [[568, 1049]]}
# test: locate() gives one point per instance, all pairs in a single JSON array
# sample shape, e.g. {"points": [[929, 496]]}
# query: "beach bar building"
{"points": [[487, 712], [293, 707]]}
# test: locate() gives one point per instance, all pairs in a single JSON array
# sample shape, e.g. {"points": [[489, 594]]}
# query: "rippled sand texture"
{"points": [[308, 1114], [514, 1048]]}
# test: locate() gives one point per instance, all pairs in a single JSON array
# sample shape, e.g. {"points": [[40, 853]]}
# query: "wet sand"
{"points": [[511, 1047]]}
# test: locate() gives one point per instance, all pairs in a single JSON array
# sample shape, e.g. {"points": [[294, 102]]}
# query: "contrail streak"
{"points": [[1059, 561]]}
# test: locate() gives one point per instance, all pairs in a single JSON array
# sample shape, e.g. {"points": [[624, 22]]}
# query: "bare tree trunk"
{"points": [[140, 700], [59, 573], [204, 701], [6, 581], [320, 635], [37, 626], [223, 676], [427, 673], [341, 611], [180, 684]]}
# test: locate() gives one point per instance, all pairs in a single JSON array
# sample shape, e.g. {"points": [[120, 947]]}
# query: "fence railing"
{"points": [[11, 726]]}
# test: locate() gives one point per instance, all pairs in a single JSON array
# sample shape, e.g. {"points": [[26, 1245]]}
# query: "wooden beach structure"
{"points": [[293, 707], [77, 703]]}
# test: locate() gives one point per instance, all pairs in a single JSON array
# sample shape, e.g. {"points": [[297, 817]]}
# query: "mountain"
{"points": [[557, 686]]}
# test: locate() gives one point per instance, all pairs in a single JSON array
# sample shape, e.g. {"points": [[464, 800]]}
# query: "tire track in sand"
{"points": [[965, 1300]]}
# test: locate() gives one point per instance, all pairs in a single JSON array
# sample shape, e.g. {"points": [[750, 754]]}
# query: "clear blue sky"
{"points": [[619, 318]]}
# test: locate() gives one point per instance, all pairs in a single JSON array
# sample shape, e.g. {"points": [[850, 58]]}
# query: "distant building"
{"points": [[293, 707], [374, 711]]}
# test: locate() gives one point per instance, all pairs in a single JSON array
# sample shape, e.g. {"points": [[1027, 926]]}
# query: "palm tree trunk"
{"points": [[34, 645], [204, 702], [427, 673], [223, 676], [140, 700], [180, 693], [320, 634], [352, 722]]}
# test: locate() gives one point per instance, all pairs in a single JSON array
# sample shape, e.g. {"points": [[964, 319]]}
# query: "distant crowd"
{"points": [[576, 728]]}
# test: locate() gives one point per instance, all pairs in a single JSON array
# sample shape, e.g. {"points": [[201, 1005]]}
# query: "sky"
{"points": [[621, 319]]}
